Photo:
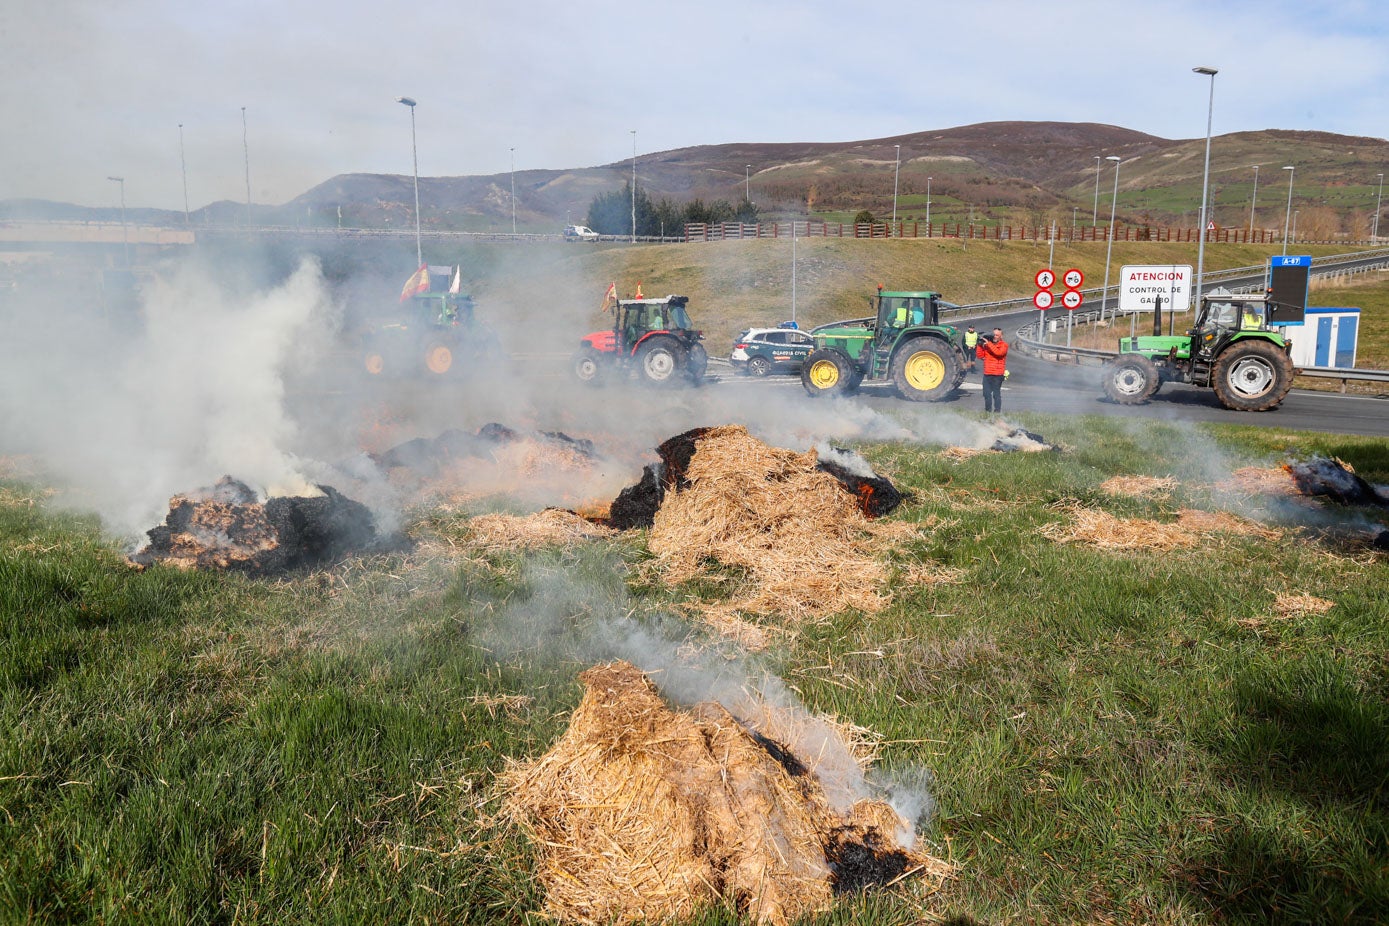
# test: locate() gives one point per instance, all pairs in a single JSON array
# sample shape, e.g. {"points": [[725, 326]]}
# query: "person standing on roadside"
{"points": [[971, 348], [993, 350]]}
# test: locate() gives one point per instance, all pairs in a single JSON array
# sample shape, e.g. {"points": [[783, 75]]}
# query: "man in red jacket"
{"points": [[993, 350]]}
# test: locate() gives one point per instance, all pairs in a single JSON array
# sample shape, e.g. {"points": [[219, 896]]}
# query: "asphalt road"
{"points": [[1064, 389]]}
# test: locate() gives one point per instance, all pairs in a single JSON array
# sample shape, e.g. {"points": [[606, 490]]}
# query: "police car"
{"points": [[761, 351]]}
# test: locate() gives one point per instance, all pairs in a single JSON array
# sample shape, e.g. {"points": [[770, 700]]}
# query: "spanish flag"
{"points": [[419, 283], [638, 295]]}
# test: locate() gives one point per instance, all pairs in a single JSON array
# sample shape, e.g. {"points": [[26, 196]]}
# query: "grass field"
{"points": [[1135, 737]]}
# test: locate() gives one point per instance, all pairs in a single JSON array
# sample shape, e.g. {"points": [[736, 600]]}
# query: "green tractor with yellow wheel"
{"points": [[902, 342]]}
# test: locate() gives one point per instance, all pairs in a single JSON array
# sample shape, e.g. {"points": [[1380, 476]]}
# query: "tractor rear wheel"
{"points": [[374, 362], [828, 372], [1131, 380], [1253, 376], [588, 366], [438, 357], [697, 363], [925, 369], [660, 361]]}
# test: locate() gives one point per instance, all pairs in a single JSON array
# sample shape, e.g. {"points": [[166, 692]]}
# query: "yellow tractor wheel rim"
{"points": [[925, 370], [439, 359], [824, 374], [374, 363]]}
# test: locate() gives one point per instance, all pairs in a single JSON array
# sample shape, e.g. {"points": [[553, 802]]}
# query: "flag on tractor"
{"points": [[456, 286], [638, 295], [419, 283]]}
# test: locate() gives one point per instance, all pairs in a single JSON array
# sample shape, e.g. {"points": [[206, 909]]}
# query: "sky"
{"points": [[95, 89]]}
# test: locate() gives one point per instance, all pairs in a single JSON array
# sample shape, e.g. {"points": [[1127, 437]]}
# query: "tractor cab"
{"points": [[895, 311], [639, 318]]}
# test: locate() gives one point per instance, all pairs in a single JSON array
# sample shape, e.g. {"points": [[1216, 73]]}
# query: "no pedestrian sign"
{"points": [[1045, 279]]}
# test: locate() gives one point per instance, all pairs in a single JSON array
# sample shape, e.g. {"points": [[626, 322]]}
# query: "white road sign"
{"points": [[1140, 285], [1043, 299], [1073, 278], [1072, 299]]}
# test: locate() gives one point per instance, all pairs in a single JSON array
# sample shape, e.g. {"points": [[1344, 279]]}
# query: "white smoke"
{"points": [[193, 388]]}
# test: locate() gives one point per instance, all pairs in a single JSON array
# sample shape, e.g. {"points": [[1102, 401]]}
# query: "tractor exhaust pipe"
{"points": [[1157, 316]]}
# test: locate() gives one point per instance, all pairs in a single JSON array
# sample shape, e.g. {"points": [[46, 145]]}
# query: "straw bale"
{"points": [[806, 546], [644, 813], [1103, 530], [960, 454], [551, 527], [1223, 522], [1139, 486]]}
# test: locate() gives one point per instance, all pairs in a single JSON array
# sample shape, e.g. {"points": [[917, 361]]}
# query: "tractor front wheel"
{"points": [[1253, 376], [926, 369], [660, 361], [588, 366], [1131, 380], [696, 364], [438, 358], [827, 373]]}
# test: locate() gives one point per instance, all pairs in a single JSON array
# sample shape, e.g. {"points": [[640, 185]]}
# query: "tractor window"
{"points": [[893, 312], [678, 317], [1224, 314]]}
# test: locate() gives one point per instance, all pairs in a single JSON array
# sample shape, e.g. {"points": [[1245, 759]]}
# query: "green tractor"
{"points": [[1232, 350], [902, 342]]}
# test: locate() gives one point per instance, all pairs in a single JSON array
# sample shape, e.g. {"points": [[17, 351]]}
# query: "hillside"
{"points": [[995, 173]]}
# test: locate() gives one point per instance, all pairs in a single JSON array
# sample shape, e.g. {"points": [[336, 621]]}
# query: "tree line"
{"points": [[611, 213]]}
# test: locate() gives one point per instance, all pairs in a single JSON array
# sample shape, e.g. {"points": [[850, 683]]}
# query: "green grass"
{"points": [[1132, 738]]}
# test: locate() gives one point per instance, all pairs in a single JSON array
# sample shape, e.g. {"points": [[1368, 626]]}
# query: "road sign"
{"points": [[1045, 279], [1043, 299], [1073, 278], [1072, 299], [1140, 285]]}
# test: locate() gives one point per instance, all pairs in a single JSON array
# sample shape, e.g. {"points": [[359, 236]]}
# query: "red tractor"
{"points": [[651, 338]]}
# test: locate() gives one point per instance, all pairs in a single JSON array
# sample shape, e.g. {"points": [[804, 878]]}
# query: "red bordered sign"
{"points": [[1045, 279], [1043, 299], [1073, 278], [1072, 299]]}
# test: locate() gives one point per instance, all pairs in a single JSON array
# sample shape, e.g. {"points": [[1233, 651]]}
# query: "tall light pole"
{"points": [[415, 156], [895, 175], [1288, 215], [246, 150], [928, 205], [513, 191], [1295, 215], [634, 186], [183, 164], [1379, 202], [1104, 293], [125, 236], [1205, 182], [1253, 199], [747, 183], [1095, 212]]}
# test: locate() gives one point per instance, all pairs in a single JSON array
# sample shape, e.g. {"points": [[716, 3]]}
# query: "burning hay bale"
{"points": [[1020, 439], [1328, 477], [1259, 480], [1139, 486], [551, 527], [636, 505], [426, 457], [228, 527], [806, 545], [644, 813]]}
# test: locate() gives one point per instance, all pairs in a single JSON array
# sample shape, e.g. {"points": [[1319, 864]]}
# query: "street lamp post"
{"points": [[125, 235], [513, 191], [1295, 214], [928, 205], [1379, 202], [1288, 214], [246, 150], [1104, 293], [747, 183], [1252, 200], [897, 173], [1205, 182], [634, 186], [1095, 212], [415, 158], [183, 164]]}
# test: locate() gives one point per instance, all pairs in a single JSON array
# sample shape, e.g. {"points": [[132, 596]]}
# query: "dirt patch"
{"points": [[644, 813]]}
